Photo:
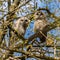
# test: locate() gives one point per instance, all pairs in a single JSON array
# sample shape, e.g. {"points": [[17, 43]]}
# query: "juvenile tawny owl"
{"points": [[21, 24], [39, 24]]}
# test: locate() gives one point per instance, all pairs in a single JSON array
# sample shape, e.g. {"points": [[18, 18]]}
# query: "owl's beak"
{"points": [[26, 23]]}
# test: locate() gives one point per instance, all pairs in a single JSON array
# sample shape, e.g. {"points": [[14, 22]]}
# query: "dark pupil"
{"points": [[41, 13], [21, 20], [26, 20]]}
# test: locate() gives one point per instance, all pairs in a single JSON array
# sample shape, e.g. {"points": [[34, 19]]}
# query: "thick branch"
{"points": [[30, 54], [51, 14], [51, 26], [12, 12]]}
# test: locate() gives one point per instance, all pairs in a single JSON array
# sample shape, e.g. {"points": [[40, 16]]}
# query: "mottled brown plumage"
{"points": [[39, 24], [21, 24]]}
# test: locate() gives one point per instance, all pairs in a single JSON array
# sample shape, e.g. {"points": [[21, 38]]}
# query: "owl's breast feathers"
{"points": [[40, 24]]}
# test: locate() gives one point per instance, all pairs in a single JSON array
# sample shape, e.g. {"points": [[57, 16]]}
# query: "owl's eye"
{"points": [[41, 13], [21, 20], [37, 14], [26, 20]]}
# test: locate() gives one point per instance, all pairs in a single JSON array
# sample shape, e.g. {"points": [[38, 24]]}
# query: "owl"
{"points": [[21, 24], [39, 24]]}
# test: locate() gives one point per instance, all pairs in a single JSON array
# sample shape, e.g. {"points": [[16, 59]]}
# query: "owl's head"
{"points": [[39, 15], [22, 22]]}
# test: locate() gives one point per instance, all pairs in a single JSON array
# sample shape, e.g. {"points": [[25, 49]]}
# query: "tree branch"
{"points": [[51, 14]]}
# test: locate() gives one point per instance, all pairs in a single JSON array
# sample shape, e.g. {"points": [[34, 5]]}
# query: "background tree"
{"points": [[15, 46]]}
